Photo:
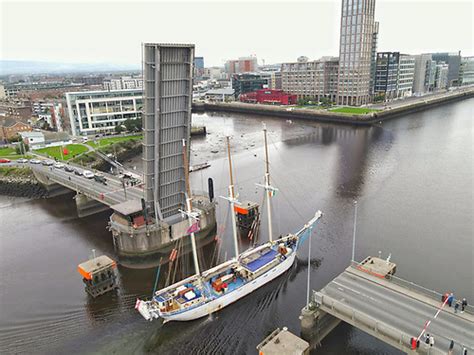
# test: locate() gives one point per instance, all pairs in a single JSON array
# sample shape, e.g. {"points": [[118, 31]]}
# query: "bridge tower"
{"points": [[167, 80]]}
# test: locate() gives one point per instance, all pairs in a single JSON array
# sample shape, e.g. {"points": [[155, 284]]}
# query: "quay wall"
{"points": [[333, 117], [20, 182]]}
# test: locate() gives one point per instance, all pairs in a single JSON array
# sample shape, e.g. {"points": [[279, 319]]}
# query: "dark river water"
{"points": [[412, 178]]}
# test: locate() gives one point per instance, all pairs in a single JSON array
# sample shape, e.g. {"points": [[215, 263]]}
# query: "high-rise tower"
{"points": [[356, 46]]}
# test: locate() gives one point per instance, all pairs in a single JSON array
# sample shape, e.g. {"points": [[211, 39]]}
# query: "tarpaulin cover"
{"points": [[261, 261]]}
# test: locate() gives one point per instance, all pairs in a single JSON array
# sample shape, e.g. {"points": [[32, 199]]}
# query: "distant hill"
{"points": [[9, 67]]}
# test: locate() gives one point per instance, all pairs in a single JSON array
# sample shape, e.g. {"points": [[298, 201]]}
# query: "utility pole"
{"points": [[354, 231]]}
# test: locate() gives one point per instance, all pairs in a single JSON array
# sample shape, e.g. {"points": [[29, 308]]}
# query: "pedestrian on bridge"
{"points": [[450, 299], [451, 347], [427, 338], [456, 306], [463, 305], [431, 341]]}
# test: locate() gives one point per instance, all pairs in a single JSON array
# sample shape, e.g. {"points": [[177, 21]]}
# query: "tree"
{"points": [[118, 128], [16, 138], [133, 125], [325, 102], [21, 148]]}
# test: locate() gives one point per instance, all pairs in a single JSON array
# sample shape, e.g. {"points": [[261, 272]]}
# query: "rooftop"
{"points": [[128, 207]]}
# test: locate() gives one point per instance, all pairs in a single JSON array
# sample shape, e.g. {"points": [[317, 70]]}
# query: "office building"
{"points": [[248, 82], [394, 75], [453, 60], [311, 79], [423, 63], [356, 48], [198, 66], [91, 112], [373, 58], [406, 75], [466, 71], [441, 76]]}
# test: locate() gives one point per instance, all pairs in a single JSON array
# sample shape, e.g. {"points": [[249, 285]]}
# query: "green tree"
{"points": [[325, 102], [21, 148], [133, 125], [118, 128]]}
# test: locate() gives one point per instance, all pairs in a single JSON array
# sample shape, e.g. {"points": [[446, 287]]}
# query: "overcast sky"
{"points": [[276, 31]]}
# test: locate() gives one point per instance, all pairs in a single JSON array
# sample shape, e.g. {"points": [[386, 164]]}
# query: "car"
{"points": [[5, 160], [47, 162], [68, 169], [88, 174], [59, 165], [22, 160], [35, 161], [100, 178], [78, 172]]}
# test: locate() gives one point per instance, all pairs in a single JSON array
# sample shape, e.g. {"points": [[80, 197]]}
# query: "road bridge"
{"points": [[391, 309], [93, 196]]}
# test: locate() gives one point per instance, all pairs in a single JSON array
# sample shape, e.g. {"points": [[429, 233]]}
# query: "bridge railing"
{"points": [[83, 189], [359, 319], [414, 287]]}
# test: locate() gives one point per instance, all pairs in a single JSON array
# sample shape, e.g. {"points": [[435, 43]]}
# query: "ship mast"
{"points": [[268, 187], [232, 200], [192, 216]]}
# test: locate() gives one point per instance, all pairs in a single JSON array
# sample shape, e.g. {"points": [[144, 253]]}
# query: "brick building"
{"points": [[10, 128], [268, 96]]}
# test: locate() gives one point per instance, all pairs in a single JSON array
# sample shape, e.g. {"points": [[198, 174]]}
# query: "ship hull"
{"points": [[225, 300]]}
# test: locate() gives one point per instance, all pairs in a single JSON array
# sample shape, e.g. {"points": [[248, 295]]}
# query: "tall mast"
{"points": [[189, 208], [232, 201], [268, 189]]}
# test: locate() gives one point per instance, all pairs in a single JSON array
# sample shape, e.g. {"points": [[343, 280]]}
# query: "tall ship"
{"points": [[208, 291]]}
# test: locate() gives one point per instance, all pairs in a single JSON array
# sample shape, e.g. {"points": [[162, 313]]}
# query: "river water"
{"points": [[412, 178]]}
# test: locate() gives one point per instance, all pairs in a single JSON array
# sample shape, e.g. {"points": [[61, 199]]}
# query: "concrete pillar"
{"points": [[87, 206]]}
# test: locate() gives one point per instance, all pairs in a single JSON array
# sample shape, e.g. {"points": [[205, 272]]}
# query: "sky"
{"points": [[108, 31]]}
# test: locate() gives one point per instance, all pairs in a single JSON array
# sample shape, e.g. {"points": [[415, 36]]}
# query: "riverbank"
{"points": [[20, 182], [412, 106]]}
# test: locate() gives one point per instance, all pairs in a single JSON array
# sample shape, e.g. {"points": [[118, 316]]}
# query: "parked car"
{"points": [[35, 161], [22, 160], [88, 174], [47, 162], [59, 165], [5, 160], [78, 172], [68, 169]]}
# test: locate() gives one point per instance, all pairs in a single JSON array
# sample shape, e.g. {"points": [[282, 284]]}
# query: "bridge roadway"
{"points": [[355, 294], [110, 194]]}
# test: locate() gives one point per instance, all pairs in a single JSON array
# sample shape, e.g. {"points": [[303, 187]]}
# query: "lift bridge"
{"points": [[368, 296]]}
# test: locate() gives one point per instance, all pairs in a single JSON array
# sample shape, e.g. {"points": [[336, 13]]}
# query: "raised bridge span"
{"points": [[391, 309]]}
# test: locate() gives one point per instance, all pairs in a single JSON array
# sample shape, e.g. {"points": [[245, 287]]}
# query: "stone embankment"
{"points": [[20, 182], [407, 107]]}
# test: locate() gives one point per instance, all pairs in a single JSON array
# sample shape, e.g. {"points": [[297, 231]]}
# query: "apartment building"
{"points": [[313, 79], [356, 52]]}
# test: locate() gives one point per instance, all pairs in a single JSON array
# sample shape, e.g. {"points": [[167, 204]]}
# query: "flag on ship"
{"points": [[193, 228]]}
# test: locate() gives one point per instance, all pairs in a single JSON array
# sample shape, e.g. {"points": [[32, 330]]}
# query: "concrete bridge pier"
{"points": [[54, 189], [316, 324], [87, 206]]}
